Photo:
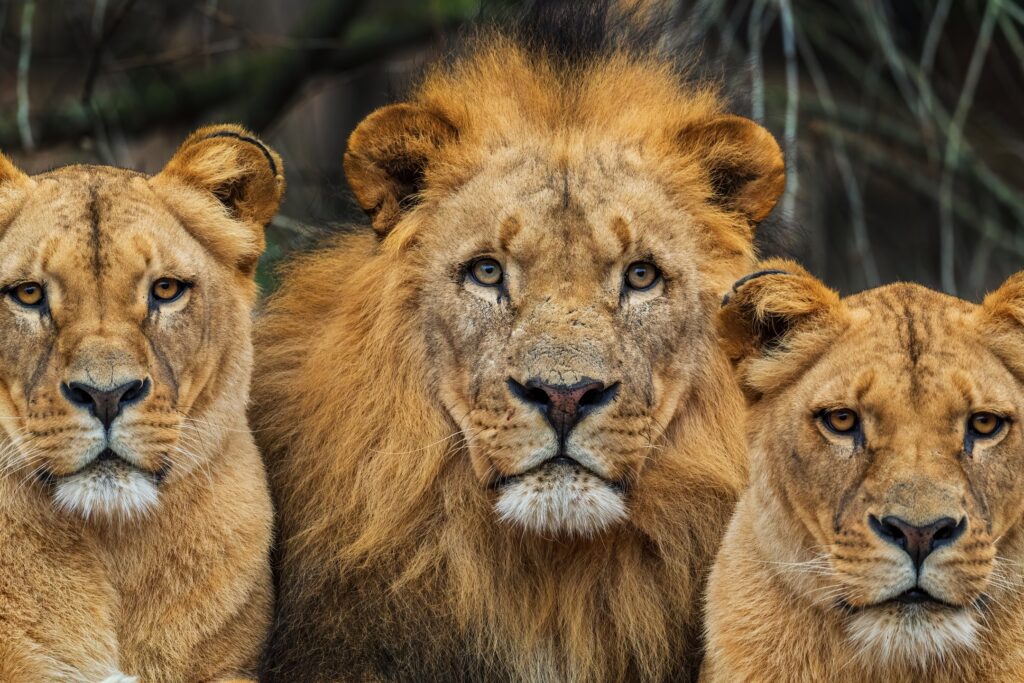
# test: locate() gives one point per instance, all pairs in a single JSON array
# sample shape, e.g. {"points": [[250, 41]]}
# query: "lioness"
{"points": [[502, 440], [135, 517], [881, 537]]}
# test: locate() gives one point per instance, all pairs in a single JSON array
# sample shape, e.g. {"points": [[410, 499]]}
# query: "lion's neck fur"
{"points": [[411, 545]]}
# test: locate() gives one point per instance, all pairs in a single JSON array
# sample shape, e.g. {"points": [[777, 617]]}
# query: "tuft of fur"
{"points": [[115, 495]]}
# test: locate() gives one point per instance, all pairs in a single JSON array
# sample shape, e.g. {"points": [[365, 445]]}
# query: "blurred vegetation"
{"points": [[901, 119]]}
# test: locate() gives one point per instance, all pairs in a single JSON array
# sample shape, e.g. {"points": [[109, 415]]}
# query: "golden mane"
{"points": [[384, 530]]}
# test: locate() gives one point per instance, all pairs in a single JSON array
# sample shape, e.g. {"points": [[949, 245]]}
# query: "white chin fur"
{"points": [[120, 495], [913, 636], [561, 500]]}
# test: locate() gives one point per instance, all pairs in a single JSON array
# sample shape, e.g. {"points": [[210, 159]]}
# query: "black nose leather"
{"points": [[105, 404], [918, 541], [564, 405]]}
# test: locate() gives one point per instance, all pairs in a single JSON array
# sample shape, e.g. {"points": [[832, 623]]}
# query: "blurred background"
{"points": [[901, 119]]}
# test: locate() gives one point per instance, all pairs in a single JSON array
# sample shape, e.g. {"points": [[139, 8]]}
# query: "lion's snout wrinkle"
{"points": [[564, 405]]}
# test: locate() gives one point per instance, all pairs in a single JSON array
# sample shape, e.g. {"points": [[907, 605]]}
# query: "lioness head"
{"points": [[887, 452], [572, 275], [123, 298]]}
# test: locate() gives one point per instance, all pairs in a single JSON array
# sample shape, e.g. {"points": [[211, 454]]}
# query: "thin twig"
{"points": [[102, 39], [754, 33], [28, 10], [955, 133], [861, 240], [792, 109]]}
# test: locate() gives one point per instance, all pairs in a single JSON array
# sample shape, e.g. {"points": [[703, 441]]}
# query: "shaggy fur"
{"points": [[433, 525], [806, 586], [139, 549]]}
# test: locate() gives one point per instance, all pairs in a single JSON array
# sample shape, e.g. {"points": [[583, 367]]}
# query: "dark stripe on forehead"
{"points": [[94, 224]]}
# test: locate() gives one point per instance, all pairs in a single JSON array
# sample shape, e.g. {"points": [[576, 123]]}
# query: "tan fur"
{"points": [[382, 398], [91, 587], [804, 585]]}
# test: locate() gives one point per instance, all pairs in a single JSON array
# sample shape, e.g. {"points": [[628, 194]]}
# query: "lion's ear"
{"points": [[388, 156], [13, 183], [1001, 321], [774, 321], [243, 174], [744, 162], [11, 174]]}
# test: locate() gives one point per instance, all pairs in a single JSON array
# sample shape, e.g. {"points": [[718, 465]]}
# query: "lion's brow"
{"points": [[510, 227], [621, 230]]}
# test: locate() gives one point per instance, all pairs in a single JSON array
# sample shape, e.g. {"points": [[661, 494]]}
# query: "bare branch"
{"points": [[28, 10], [792, 109], [963, 107]]}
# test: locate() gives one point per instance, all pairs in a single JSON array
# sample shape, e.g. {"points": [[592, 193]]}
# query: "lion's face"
{"points": [[118, 332], [557, 311], [569, 279], [893, 442]]}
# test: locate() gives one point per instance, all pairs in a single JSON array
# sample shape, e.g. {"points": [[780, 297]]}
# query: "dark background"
{"points": [[902, 119]]}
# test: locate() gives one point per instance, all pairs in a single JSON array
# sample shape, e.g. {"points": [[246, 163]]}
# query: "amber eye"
{"points": [[167, 289], [642, 275], [840, 420], [985, 424], [487, 272], [29, 294]]}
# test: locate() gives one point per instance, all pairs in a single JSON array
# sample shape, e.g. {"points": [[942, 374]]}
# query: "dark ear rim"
{"points": [[747, 278], [756, 320], [251, 140]]}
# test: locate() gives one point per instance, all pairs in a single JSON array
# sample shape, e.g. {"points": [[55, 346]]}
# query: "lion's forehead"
{"points": [[553, 210], [82, 224]]}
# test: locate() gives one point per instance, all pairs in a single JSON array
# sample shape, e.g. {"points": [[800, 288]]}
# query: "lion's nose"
{"points": [[918, 541], [564, 405], [105, 404]]}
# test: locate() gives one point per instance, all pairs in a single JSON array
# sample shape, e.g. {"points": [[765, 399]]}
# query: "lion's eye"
{"points": [[29, 294], [168, 289], [486, 272], [840, 420], [985, 425], [642, 275]]}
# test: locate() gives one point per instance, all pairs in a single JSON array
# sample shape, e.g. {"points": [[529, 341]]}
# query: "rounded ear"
{"points": [[387, 159], [748, 173], [1001, 322], [246, 177], [13, 186], [776, 320], [11, 174]]}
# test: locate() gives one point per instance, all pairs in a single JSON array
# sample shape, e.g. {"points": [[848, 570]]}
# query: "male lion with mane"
{"points": [[503, 442], [135, 517], [881, 536]]}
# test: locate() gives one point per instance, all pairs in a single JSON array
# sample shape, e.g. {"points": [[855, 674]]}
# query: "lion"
{"points": [[502, 440], [881, 536], [135, 516]]}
